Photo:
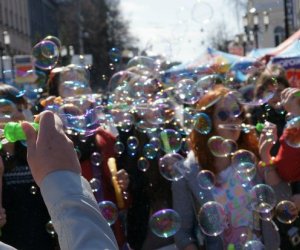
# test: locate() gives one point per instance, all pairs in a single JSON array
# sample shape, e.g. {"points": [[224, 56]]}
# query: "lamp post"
{"points": [[251, 23], [6, 40], [241, 40], [1, 61]]}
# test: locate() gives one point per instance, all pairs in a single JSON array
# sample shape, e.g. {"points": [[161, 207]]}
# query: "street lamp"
{"points": [[1, 61], [241, 40], [251, 25], [6, 40]]}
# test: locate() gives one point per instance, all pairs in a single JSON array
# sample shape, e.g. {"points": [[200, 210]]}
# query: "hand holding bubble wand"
{"points": [[13, 132], [118, 192]]}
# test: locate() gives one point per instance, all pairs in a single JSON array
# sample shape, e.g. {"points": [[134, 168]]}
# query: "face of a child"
{"points": [[227, 111], [10, 112], [274, 102]]}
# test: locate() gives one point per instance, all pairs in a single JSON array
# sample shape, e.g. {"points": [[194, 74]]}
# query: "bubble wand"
{"points": [[13, 131], [113, 170]]}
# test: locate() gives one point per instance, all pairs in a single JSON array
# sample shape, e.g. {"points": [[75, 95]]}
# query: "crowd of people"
{"points": [[104, 170]]}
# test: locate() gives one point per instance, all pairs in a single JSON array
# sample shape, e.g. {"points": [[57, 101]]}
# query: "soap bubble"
{"points": [[267, 215], [144, 65], [214, 144], [286, 212], [220, 147], [165, 223], [46, 55], [121, 78], [170, 167], [186, 91], [229, 147], [50, 228], [132, 142], [149, 151], [132, 152], [123, 120], [263, 198], [115, 55], [185, 145], [143, 164], [8, 110], [53, 39], [170, 140], [160, 111], [186, 119], [155, 143], [96, 159], [95, 184], [254, 245], [149, 114], [202, 12], [212, 218], [33, 190], [206, 179], [109, 211], [74, 123], [203, 123], [242, 156], [262, 95], [206, 83], [245, 171], [119, 148], [74, 88], [292, 128]]}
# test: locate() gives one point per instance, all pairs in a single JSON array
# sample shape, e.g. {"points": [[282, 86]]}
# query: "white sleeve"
{"points": [[6, 247], [75, 214]]}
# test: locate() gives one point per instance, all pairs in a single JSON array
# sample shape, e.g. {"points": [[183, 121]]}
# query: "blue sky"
{"points": [[178, 28]]}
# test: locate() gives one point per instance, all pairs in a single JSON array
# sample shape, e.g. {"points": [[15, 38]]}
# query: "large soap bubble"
{"points": [[171, 167], [165, 223], [46, 54], [109, 211], [263, 198], [212, 218]]}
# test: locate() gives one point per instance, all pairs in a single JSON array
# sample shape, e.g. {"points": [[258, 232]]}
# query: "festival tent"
{"points": [[259, 53], [212, 61], [284, 45], [289, 59]]}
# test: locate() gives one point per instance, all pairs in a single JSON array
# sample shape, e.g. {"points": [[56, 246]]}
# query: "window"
{"points": [[279, 35]]}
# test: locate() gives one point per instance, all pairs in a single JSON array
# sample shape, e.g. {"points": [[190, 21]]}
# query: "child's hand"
{"points": [[123, 179], [290, 99], [267, 139]]}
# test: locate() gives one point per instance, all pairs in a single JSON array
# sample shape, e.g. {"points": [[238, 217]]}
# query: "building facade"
{"points": [[281, 14], [42, 19], [14, 18]]}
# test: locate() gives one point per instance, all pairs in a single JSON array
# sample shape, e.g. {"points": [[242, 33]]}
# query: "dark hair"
{"points": [[53, 84], [12, 94], [266, 79]]}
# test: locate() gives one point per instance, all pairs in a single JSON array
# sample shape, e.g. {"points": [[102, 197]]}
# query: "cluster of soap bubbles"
{"points": [[138, 98]]}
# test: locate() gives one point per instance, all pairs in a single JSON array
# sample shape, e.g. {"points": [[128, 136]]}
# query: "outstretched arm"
{"points": [[68, 196]]}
